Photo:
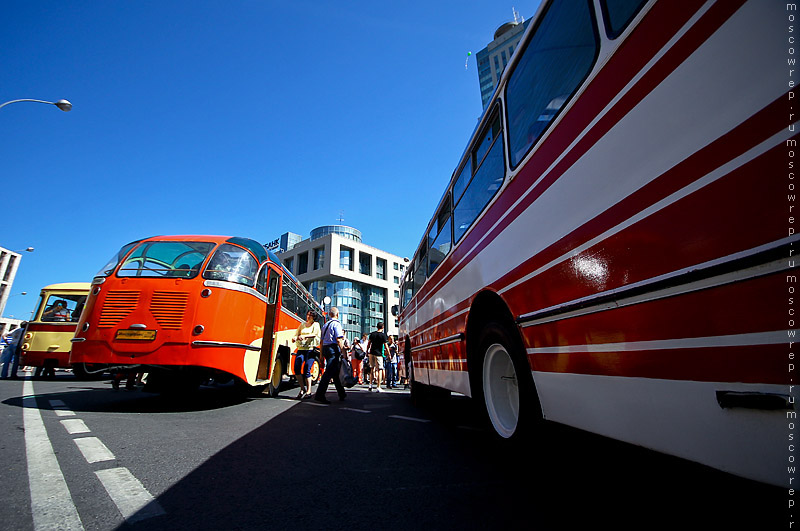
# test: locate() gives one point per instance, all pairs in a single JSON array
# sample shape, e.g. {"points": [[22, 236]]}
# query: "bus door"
{"points": [[272, 279]]}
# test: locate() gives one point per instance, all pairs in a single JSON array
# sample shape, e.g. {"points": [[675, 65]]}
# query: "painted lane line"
{"points": [[74, 426], [51, 503], [134, 502], [356, 410], [408, 418], [61, 408], [93, 450]]}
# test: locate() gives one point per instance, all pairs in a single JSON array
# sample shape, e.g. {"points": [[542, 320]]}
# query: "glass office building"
{"points": [[363, 282]]}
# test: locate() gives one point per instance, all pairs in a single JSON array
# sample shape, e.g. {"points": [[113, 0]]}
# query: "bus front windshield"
{"points": [[166, 259], [232, 264]]}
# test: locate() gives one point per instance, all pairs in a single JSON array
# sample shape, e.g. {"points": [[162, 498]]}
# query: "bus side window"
{"points": [[272, 292], [617, 14], [261, 283], [553, 65], [289, 296], [490, 172], [440, 243]]}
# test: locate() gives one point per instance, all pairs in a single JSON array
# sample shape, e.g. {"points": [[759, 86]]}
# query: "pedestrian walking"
{"points": [[332, 346], [11, 351], [358, 354], [375, 347], [391, 364], [307, 339]]}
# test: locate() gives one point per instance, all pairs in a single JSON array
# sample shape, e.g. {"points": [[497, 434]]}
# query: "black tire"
{"points": [[504, 385]]}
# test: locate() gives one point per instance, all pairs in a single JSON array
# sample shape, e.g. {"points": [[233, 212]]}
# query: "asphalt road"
{"points": [[217, 460]]}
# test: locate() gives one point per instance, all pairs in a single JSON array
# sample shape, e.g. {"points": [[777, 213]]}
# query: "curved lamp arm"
{"points": [[64, 105]]}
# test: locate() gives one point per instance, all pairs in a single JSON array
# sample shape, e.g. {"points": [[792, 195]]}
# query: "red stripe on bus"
{"points": [[717, 220], [765, 364], [744, 307]]}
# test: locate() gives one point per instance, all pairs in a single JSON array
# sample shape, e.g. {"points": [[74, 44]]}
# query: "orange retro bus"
{"points": [[188, 308], [47, 337]]}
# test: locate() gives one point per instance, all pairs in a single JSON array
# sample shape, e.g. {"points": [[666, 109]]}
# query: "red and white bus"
{"points": [[612, 250], [188, 308]]}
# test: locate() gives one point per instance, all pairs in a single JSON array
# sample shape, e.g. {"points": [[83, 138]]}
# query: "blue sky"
{"points": [[247, 118]]}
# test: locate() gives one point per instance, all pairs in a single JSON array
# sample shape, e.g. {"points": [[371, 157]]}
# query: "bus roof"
{"points": [[78, 286]]}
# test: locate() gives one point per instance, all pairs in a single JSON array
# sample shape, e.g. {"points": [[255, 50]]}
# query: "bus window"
{"points": [[552, 67], [462, 180], [166, 259], [272, 293], [440, 243], [115, 260], [61, 308], [289, 296], [233, 264], [617, 14], [484, 185]]}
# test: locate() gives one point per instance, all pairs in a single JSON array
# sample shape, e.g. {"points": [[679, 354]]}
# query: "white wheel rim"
{"points": [[276, 374], [501, 390]]}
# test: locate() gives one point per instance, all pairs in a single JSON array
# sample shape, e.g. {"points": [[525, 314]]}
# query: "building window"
{"points": [[396, 294], [319, 258], [380, 269], [346, 258], [396, 266], [302, 263], [289, 264], [397, 280], [365, 263]]}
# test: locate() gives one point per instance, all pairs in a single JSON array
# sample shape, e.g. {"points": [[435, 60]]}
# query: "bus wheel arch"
{"points": [[499, 373]]}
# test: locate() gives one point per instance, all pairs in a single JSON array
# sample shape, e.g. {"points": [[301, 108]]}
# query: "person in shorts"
{"points": [[375, 348]]}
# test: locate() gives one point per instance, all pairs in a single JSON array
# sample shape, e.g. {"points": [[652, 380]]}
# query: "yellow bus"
{"points": [[46, 343]]}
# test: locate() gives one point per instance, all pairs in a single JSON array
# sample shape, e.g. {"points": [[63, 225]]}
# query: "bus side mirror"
{"points": [[395, 310]]}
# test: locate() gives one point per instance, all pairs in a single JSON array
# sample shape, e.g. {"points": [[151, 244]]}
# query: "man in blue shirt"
{"points": [[332, 344], [11, 352]]}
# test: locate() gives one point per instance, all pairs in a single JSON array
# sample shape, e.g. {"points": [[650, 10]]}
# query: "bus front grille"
{"points": [[168, 308], [117, 306]]}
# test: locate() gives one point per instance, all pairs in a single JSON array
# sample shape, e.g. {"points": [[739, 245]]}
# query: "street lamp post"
{"points": [[64, 105]]}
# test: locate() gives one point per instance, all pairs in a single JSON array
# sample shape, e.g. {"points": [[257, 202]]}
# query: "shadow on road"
{"points": [[335, 467]]}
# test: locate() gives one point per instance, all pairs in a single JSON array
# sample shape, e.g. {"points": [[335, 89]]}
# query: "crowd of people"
{"points": [[375, 360]]}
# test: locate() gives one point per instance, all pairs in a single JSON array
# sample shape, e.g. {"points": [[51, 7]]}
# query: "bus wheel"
{"points": [[506, 384], [274, 385], [314, 371]]}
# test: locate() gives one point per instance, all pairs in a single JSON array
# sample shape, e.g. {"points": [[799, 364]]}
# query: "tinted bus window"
{"points": [[552, 67], [115, 260], [166, 259], [618, 14], [233, 264], [484, 185]]}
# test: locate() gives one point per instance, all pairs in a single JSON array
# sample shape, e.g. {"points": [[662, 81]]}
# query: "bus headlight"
{"points": [[29, 335], [26, 346], [85, 327], [198, 330]]}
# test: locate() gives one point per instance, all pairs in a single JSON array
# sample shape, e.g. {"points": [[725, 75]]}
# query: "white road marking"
{"points": [[61, 408], [408, 418], [51, 503], [93, 449], [356, 410], [74, 426], [134, 502]]}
